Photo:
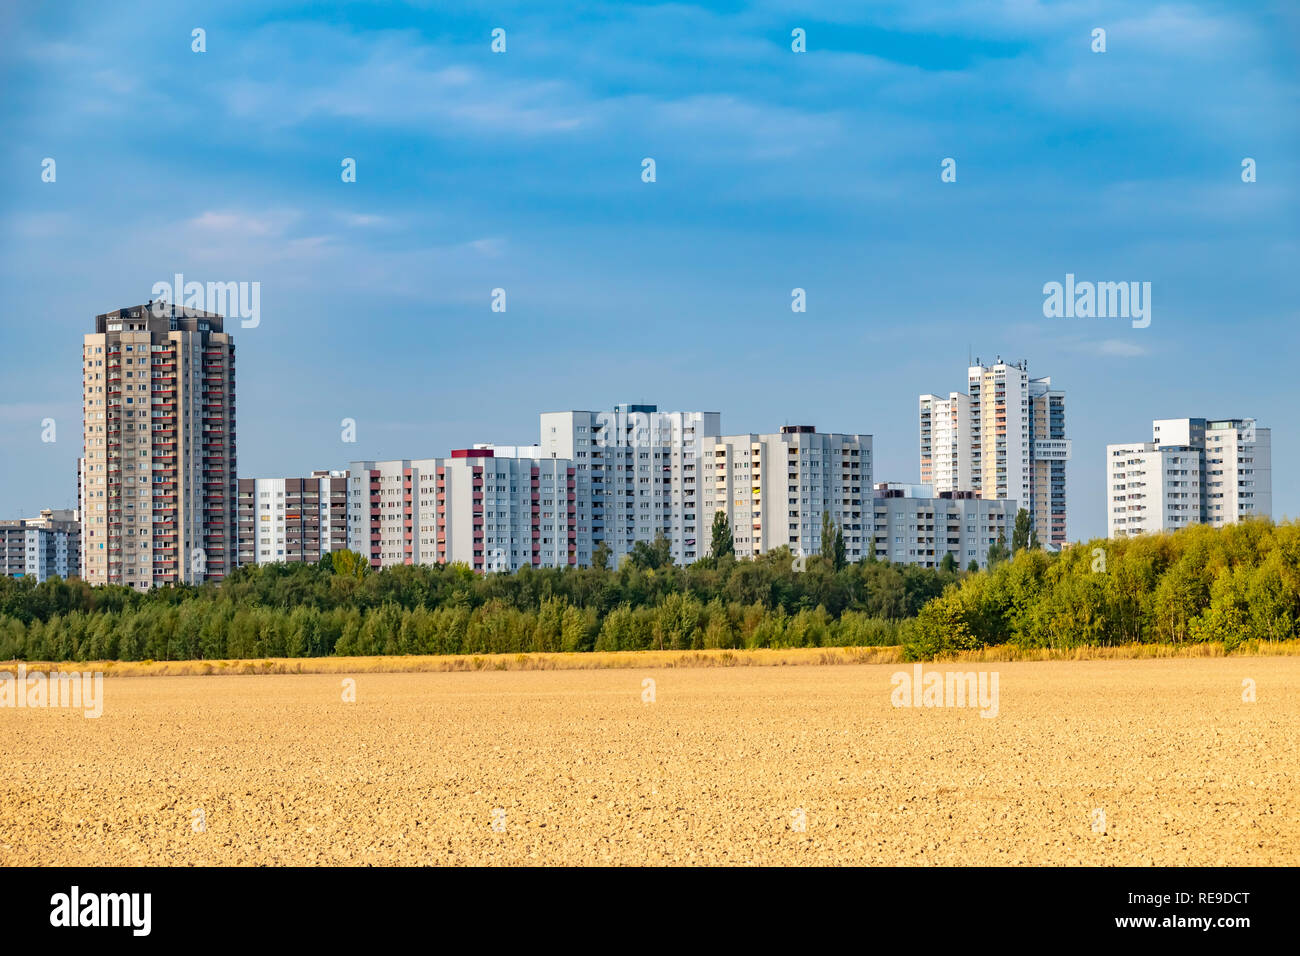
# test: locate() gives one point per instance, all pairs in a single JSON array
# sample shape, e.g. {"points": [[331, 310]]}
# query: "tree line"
{"points": [[1198, 584], [1231, 584], [341, 606]]}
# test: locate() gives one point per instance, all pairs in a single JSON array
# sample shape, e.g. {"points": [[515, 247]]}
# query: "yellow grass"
{"points": [[604, 660], [1005, 652]]}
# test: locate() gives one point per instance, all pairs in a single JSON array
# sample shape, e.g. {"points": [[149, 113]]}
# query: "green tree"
{"points": [[1182, 593], [1228, 616], [1226, 585], [832, 545], [349, 564], [941, 628], [1020, 537], [998, 552], [722, 542], [600, 556], [651, 556]]}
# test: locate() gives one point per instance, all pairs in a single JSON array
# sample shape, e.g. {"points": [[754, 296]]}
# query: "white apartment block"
{"points": [[637, 475], [945, 442], [42, 547], [292, 520], [916, 525], [1153, 488], [1003, 439], [483, 507], [1194, 471], [1238, 467], [774, 489]]}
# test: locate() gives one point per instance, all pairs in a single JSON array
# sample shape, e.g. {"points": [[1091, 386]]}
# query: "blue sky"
{"points": [[775, 170]]}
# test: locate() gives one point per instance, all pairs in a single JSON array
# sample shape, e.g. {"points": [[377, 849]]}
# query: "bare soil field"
{"points": [[1086, 762]]}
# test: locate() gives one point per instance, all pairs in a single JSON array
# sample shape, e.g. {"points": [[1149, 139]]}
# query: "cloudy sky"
{"points": [[775, 170]]}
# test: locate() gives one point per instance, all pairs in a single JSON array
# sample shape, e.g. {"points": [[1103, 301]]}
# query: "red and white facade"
{"points": [[491, 509]]}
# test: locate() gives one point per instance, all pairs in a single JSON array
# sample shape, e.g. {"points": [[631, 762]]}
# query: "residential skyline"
{"points": [[535, 450], [775, 171]]}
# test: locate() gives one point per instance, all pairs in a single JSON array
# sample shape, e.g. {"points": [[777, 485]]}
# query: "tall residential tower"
{"points": [[158, 490], [1003, 439]]}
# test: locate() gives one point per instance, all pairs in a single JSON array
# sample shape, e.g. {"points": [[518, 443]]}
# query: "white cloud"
{"points": [[362, 220], [391, 79], [44, 225], [1119, 348], [236, 223]]}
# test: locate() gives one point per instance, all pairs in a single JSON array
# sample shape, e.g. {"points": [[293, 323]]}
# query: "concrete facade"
{"points": [[158, 489], [1193, 471], [292, 519], [774, 489], [42, 547], [915, 525]]}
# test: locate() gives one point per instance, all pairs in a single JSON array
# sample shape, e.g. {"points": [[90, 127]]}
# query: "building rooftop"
{"points": [[158, 316]]}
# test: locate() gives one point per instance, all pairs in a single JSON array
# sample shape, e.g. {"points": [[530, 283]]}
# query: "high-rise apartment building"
{"points": [[945, 442], [914, 524], [158, 489], [637, 475], [1193, 471], [41, 547], [391, 510], [292, 519], [494, 509], [1003, 439], [1238, 467], [1153, 487], [775, 488], [611, 478], [498, 507], [1049, 450]]}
